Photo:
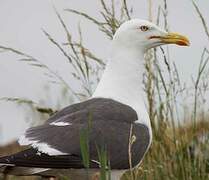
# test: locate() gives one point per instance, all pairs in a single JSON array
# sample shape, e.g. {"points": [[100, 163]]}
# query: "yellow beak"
{"points": [[173, 38]]}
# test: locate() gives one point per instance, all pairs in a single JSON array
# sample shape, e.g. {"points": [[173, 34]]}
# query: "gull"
{"points": [[115, 112]]}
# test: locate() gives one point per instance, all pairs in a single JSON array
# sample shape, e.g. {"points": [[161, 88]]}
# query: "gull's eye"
{"points": [[144, 28]]}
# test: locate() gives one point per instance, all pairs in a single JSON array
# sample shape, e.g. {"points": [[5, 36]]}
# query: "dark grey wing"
{"points": [[108, 123], [102, 108], [114, 137], [68, 110], [55, 140]]}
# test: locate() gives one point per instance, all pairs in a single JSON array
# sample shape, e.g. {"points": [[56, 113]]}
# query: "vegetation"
{"points": [[179, 150]]}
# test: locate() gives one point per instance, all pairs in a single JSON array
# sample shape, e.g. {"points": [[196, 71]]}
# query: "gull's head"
{"points": [[145, 35]]}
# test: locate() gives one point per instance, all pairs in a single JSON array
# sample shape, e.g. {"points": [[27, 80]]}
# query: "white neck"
{"points": [[123, 81]]}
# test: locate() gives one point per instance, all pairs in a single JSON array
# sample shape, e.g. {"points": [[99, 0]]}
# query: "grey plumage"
{"points": [[110, 123]]}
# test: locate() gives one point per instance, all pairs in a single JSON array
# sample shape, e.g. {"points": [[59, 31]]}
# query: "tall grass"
{"points": [[179, 150]]}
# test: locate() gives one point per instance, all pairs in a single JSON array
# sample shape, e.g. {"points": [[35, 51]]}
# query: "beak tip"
{"points": [[183, 43]]}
